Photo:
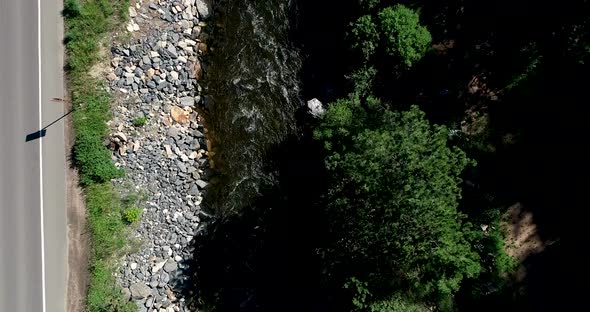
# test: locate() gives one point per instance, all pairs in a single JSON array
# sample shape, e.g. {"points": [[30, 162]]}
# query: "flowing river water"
{"points": [[254, 92], [262, 53]]}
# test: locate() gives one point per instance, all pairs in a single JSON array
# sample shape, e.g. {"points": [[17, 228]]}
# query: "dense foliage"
{"points": [[394, 196], [397, 30]]}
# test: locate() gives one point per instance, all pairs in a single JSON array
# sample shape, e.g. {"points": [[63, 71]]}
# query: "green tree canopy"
{"points": [[404, 36], [395, 29], [393, 198]]}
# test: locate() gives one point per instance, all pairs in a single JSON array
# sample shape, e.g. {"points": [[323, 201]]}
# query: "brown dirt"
{"points": [[78, 236]]}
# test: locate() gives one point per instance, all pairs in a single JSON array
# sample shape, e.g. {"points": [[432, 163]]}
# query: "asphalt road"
{"points": [[33, 241]]}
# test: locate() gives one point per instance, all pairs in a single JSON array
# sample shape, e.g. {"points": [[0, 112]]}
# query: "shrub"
{"points": [[133, 214]]}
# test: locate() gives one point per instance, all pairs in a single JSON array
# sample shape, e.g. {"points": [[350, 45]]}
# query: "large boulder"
{"points": [[315, 107]]}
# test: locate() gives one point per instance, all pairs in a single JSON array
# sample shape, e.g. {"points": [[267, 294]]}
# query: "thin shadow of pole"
{"points": [[41, 133]]}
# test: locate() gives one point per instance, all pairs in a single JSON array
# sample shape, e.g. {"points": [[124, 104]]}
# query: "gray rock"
{"points": [[140, 290], [194, 190], [154, 282], [149, 302], [164, 279], [181, 167], [170, 266], [153, 6], [187, 101], [146, 59], [204, 8], [201, 183], [172, 51], [172, 132], [151, 84]]}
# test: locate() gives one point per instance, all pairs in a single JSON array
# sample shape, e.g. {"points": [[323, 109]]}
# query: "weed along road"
{"points": [[33, 241]]}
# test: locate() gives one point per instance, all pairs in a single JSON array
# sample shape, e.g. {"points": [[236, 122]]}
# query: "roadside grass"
{"points": [[87, 23]]}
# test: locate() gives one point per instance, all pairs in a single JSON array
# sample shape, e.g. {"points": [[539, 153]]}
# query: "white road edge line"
{"points": [[43, 302]]}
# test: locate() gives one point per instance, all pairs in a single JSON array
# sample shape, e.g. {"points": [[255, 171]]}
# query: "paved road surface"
{"points": [[32, 174]]}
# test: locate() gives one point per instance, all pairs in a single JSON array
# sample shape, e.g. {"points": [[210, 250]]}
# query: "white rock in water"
{"points": [[316, 108]]}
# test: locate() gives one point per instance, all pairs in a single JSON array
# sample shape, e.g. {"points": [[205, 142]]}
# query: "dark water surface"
{"points": [[254, 92]]}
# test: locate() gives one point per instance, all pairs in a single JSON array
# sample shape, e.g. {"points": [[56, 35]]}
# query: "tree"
{"points": [[396, 31], [404, 37], [366, 36], [393, 198]]}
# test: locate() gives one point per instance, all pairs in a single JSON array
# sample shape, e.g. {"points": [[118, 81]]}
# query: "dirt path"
{"points": [[78, 236]]}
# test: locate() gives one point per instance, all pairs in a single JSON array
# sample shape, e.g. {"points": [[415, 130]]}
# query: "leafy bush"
{"points": [[403, 35], [133, 214], [393, 198]]}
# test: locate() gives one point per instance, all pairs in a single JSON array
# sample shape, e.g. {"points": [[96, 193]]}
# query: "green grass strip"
{"points": [[87, 22]]}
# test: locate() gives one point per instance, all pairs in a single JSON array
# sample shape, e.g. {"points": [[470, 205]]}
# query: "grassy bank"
{"points": [[87, 23]]}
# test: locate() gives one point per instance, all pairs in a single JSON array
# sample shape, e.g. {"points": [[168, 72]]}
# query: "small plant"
{"points": [[133, 214], [139, 121]]}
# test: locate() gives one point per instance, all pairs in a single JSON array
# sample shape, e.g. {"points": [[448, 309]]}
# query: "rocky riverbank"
{"points": [[159, 139]]}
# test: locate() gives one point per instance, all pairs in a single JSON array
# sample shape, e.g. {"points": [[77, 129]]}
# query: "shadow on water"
{"points": [[264, 259]]}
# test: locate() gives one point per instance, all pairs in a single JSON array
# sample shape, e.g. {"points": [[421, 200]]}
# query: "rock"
{"points": [[130, 27], [315, 107], [158, 266], [149, 302], [178, 114], [172, 132], [140, 290], [172, 51], [174, 75], [135, 27], [121, 136], [112, 76], [202, 184], [204, 8], [177, 258], [133, 266], [168, 151], [154, 282], [182, 59], [153, 6], [132, 12], [170, 266], [187, 101], [170, 295]]}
